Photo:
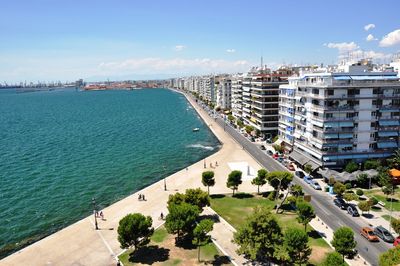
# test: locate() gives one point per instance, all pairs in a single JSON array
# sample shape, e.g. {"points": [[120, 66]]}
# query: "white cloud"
{"points": [[360, 54], [371, 37], [369, 27], [230, 50], [155, 65], [179, 47], [391, 39], [343, 46]]}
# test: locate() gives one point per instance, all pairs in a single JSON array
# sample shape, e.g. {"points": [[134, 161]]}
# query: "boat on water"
{"points": [[196, 129]]}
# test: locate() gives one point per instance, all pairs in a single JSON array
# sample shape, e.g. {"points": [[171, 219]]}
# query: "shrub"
{"points": [[373, 201], [272, 195], [275, 138], [371, 164], [292, 200], [348, 185], [359, 192], [351, 167]]}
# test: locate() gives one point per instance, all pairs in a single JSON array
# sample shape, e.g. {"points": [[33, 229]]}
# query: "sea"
{"points": [[60, 149]]}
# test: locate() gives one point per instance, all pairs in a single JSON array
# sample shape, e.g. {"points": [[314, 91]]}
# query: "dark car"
{"points": [[269, 141], [384, 234], [269, 152], [352, 210], [299, 174], [340, 203], [252, 139], [262, 147]]}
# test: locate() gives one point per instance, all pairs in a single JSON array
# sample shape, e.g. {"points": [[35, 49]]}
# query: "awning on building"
{"points": [[383, 145], [304, 159], [388, 134], [389, 123]]}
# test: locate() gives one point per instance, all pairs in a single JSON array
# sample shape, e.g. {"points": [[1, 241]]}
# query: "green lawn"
{"points": [[235, 211], [162, 251], [378, 194], [387, 217]]}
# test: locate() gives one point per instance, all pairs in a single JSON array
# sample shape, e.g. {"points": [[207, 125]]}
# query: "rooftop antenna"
{"points": [[262, 64]]}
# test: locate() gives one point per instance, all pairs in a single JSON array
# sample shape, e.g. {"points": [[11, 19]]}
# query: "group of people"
{"points": [[216, 164], [100, 215], [141, 197]]}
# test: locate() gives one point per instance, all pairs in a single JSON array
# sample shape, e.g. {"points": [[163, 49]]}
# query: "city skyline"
{"points": [[124, 40]]}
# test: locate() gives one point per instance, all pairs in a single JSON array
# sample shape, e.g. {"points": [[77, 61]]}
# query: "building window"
{"points": [[315, 91], [373, 113], [372, 135], [330, 92]]}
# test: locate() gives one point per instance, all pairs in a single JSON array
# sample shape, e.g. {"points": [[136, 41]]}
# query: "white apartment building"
{"points": [[260, 91], [328, 119], [224, 93], [236, 99]]}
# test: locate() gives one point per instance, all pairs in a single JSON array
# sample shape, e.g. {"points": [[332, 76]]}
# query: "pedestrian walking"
{"points": [[143, 198], [102, 215], [162, 216], [216, 163]]}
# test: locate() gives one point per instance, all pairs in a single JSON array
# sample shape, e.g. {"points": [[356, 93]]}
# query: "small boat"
{"points": [[196, 129]]}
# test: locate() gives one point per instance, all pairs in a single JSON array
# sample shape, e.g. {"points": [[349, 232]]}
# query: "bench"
{"points": [[381, 203]]}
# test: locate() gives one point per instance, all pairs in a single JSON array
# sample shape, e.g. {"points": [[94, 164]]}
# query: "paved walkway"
{"points": [[80, 244]]}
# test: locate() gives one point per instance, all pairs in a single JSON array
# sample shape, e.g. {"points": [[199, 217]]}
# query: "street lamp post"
{"points": [[391, 209], [165, 182], [94, 212]]}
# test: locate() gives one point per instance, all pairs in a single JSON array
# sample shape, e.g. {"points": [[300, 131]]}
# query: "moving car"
{"points": [[315, 185], [396, 241], [290, 166], [340, 203], [352, 210], [262, 147], [307, 179], [269, 152], [368, 233], [299, 174], [384, 234]]}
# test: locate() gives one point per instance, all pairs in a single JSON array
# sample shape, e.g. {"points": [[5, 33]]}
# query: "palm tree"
{"points": [[395, 161]]}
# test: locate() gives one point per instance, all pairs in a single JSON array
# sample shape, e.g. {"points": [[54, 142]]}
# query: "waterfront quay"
{"points": [[81, 244]]}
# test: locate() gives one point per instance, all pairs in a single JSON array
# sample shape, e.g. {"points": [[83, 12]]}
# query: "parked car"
{"points": [[340, 203], [307, 179], [396, 241], [368, 233], [269, 152], [384, 234], [315, 185], [299, 174], [269, 141], [280, 159], [262, 147], [252, 139], [290, 166], [352, 210], [275, 156]]}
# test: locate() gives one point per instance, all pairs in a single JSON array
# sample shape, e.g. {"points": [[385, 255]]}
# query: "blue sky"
{"points": [[51, 40]]}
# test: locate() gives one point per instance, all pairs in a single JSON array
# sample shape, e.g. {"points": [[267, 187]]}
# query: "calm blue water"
{"points": [[59, 149]]}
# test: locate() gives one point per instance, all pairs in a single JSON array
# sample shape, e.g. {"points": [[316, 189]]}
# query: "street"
{"points": [[322, 202]]}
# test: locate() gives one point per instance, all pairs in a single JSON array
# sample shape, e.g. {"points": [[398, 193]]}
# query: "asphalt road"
{"points": [[324, 208]]}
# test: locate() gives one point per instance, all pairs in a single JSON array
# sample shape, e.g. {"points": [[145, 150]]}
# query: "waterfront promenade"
{"points": [[80, 244]]}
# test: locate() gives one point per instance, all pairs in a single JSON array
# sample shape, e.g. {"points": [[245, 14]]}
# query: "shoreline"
{"points": [[86, 246]]}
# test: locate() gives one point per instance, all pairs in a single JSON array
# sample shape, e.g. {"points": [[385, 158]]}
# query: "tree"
{"points": [[280, 181], [308, 168], [388, 186], [349, 196], [200, 234], [333, 259], [259, 236], [249, 129], [296, 243], [351, 167], [207, 178], [135, 230], [371, 164], [234, 180], [197, 197], [395, 161], [296, 190], [305, 212], [359, 192], [396, 225], [363, 180], [390, 257], [231, 118], [181, 219], [239, 123], [343, 241], [364, 206], [260, 179], [339, 188]]}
